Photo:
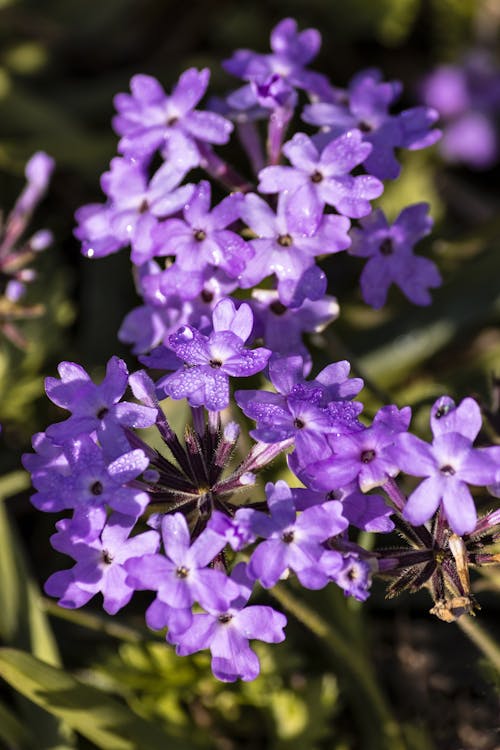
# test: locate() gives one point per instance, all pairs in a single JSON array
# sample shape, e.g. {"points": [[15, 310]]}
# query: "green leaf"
{"points": [[23, 622], [95, 715], [12, 731]]}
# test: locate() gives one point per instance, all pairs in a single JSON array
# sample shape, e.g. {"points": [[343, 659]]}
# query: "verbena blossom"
{"points": [[450, 464], [287, 242], [389, 249], [307, 411], [226, 630], [100, 563], [322, 178], [365, 105], [212, 359], [291, 542], [282, 328], [95, 407], [147, 117], [274, 77], [201, 238]]}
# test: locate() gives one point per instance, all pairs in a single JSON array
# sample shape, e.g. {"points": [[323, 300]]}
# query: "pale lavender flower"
{"points": [[227, 630], [448, 465], [292, 541], [288, 241], [323, 178], [100, 563], [210, 360], [202, 239], [147, 116]]}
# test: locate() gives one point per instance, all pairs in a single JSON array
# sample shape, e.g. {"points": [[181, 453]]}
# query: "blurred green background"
{"points": [[414, 682]]}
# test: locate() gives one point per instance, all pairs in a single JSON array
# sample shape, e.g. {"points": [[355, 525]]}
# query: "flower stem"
{"points": [[379, 728], [481, 639]]}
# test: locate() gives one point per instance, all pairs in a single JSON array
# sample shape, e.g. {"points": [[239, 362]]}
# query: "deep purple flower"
{"points": [[301, 409], [449, 465], [390, 253], [100, 563], [354, 576], [210, 360], [367, 108], [281, 328], [227, 630], [316, 179]]}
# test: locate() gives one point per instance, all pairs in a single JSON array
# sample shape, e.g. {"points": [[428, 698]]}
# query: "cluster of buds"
{"points": [[16, 253]]}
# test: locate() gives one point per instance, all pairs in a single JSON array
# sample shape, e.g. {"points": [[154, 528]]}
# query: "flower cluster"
{"points": [[17, 253], [188, 522]]}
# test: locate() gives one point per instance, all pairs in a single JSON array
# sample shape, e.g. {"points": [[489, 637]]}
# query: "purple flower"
{"points": [[133, 208], [282, 327], [291, 542], [147, 117], [288, 241], [467, 97], [361, 455], [100, 564], [202, 238], [274, 77], [367, 512], [317, 179], [227, 630], [85, 480], [354, 576], [210, 360], [306, 411], [96, 408], [182, 576], [367, 108], [391, 260], [449, 465]]}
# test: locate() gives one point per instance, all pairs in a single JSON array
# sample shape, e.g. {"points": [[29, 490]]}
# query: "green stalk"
{"points": [[481, 639], [378, 726]]}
